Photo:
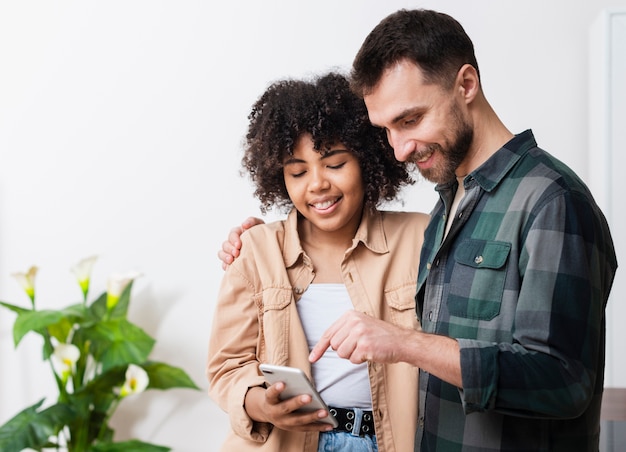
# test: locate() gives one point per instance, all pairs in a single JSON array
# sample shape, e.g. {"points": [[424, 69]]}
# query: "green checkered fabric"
{"points": [[522, 281]]}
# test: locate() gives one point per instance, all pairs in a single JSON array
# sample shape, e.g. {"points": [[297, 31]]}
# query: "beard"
{"points": [[453, 153]]}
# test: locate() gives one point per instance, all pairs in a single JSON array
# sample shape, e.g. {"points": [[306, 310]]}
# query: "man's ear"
{"points": [[467, 82]]}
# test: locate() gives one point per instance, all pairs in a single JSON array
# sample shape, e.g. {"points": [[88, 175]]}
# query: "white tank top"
{"points": [[339, 382]]}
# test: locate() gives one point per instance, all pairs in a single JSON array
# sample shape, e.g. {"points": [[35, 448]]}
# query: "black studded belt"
{"points": [[357, 422]]}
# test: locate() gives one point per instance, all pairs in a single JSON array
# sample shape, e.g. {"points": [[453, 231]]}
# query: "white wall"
{"points": [[120, 126]]}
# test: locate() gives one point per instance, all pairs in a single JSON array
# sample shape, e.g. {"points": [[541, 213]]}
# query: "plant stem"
{"points": [[105, 421], [59, 381]]}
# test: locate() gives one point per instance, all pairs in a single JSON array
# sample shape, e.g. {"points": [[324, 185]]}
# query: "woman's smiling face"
{"points": [[326, 187]]}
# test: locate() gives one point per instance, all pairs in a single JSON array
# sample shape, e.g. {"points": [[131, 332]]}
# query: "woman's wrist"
{"points": [[253, 403]]}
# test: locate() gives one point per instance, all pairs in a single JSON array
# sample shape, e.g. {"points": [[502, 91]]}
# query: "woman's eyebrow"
{"points": [[292, 160], [326, 154], [332, 152]]}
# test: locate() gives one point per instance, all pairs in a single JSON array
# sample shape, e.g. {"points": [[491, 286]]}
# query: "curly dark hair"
{"points": [[326, 108]]}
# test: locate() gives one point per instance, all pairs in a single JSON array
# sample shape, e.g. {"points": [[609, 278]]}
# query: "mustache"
{"points": [[418, 155]]}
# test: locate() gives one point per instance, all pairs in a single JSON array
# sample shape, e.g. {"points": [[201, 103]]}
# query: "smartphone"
{"points": [[297, 383]]}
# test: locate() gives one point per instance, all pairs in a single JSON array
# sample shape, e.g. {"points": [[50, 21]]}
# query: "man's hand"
{"points": [[232, 246], [264, 405], [359, 338]]}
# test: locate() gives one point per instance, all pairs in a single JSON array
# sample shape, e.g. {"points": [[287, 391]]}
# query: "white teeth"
{"points": [[323, 205], [424, 157]]}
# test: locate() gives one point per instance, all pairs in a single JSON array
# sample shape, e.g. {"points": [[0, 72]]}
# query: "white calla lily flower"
{"points": [[27, 281], [82, 271], [64, 360], [116, 285], [137, 381]]}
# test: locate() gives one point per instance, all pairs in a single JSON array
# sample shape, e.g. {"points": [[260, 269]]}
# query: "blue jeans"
{"points": [[346, 442]]}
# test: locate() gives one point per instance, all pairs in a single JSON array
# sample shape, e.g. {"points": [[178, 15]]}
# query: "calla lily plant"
{"points": [[98, 358]]}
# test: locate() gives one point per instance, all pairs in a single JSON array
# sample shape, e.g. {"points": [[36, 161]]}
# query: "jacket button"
{"points": [[478, 259]]}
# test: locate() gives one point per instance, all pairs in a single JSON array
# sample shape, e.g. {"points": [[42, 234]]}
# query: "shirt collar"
{"points": [[370, 232], [490, 173]]}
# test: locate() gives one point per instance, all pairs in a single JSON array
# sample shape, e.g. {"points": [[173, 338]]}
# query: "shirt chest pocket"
{"points": [[274, 323], [478, 279]]}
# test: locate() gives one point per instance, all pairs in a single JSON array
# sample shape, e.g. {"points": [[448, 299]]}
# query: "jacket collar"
{"points": [[370, 232]]}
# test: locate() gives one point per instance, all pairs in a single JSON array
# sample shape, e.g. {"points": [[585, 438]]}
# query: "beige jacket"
{"points": [[256, 321]]}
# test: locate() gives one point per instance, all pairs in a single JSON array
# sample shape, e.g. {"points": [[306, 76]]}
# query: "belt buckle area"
{"points": [[355, 421]]}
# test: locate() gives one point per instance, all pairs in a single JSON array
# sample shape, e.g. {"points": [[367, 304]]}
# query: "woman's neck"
{"points": [[326, 249]]}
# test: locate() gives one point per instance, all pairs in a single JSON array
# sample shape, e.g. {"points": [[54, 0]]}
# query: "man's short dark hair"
{"points": [[434, 41]]}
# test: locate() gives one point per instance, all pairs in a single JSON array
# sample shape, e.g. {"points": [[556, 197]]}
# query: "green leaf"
{"points": [[92, 415], [134, 445], [105, 381], [14, 308], [71, 315], [61, 329], [57, 322], [99, 391], [92, 404], [118, 343], [99, 307], [32, 429], [34, 321], [164, 376]]}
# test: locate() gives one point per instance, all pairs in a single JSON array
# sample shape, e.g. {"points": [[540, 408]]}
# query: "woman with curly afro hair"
{"points": [[311, 151], [329, 113]]}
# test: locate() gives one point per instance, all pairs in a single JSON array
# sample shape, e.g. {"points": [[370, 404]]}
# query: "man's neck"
{"points": [[490, 134]]}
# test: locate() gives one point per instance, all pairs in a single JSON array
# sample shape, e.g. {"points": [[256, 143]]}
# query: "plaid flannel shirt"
{"points": [[521, 281]]}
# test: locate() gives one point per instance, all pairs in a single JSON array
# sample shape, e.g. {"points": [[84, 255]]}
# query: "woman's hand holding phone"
{"points": [[265, 405]]}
